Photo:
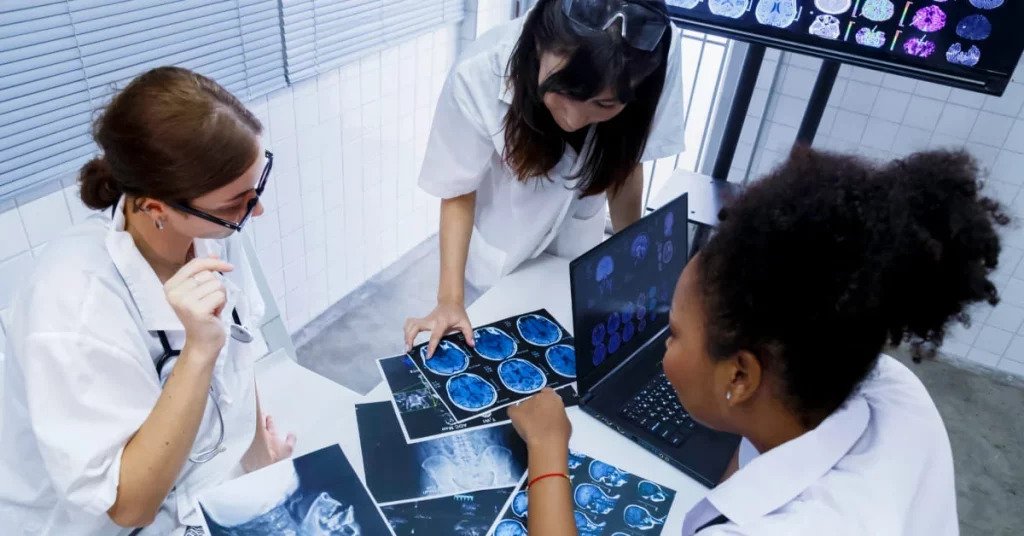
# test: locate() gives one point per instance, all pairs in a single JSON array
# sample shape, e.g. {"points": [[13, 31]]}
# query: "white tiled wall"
{"points": [[886, 116], [342, 201]]}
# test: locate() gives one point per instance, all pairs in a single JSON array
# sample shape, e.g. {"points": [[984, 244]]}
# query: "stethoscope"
{"points": [[238, 332]]}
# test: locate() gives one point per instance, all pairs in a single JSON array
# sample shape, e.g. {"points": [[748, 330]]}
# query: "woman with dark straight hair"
{"points": [[124, 396], [542, 123]]}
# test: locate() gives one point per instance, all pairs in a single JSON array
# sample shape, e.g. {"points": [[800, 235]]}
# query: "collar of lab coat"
{"points": [[142, 281], [508, 44], [780, 475]]}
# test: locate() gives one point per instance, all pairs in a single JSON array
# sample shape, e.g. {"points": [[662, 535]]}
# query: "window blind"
{"points": [[62, 59], [321, 35]]}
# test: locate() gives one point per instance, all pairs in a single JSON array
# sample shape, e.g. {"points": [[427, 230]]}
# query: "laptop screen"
{"points": [[622, 290]]}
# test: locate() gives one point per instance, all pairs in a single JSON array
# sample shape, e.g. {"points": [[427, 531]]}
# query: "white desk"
{"points": [[288, 391]]}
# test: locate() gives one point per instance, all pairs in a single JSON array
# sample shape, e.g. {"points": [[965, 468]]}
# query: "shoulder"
{"points": [[481, 67]]}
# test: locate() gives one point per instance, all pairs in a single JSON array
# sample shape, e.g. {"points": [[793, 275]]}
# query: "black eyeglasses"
{"points": [[642, 27], [250, 206]]}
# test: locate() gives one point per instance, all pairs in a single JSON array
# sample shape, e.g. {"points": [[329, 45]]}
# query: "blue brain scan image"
{"points": [[510, 527], [639, 248], [641, 300], [470, 392], [594, 500], [600, 352], [613, 322], [628, 331], [666, 254], [974, 27], [538, 331], [653, 291], [575, 459], [614, 342], [640, 518], [650, 491], [641, 312], [642, 325], [562, 360], [605, 269], [986, 4], [586, 526], [521, 376], [494, 344], [597, 335], [670, 220], [448, 359], [520, 504], [627, 312]]}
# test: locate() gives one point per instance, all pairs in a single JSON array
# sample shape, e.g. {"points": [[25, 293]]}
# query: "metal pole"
{"points": [[819, 99], [738, 111]]}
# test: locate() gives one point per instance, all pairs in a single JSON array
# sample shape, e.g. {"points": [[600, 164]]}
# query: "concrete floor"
{"points": [[981, 408]]}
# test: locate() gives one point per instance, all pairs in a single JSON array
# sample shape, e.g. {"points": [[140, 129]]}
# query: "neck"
{"points": [[164, 250], [773, 427]]}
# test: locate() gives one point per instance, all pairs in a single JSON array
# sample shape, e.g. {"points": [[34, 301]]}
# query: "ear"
{"points": [[156, 209], [745, 380]]}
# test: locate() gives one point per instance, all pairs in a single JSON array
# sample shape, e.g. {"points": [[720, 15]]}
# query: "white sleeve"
{"points": [[85, 400], [459, 148], [667, 137]]}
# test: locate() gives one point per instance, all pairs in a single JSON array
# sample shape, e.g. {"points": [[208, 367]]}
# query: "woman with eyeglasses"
{"points": [[541, 124], [129, 371], [776, 334]]}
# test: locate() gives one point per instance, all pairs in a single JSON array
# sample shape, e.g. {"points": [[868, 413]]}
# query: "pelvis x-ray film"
{"points": [[512, 360], [474, 460], [608, 502], [421, 413], [317, 494], [468, 514]]}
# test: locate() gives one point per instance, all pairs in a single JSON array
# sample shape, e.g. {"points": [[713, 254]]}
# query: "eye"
{"points": [[604, 105]]}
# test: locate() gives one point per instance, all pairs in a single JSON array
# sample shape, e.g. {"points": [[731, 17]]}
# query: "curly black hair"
{"points": [[818, 265]]}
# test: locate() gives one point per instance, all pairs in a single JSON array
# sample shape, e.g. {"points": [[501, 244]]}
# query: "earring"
{"points": [[728, 396], [159, 225]]}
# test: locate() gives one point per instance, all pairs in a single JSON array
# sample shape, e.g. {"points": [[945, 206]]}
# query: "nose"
{"points": [[574, 119], [258, 209]]}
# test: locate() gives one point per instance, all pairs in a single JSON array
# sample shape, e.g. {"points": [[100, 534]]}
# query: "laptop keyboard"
{"points": [[657, 409]]}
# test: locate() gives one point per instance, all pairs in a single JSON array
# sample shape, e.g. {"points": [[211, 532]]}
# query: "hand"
{"points": [[444, 319], [267, 447], [541, 421], [197, 296]]}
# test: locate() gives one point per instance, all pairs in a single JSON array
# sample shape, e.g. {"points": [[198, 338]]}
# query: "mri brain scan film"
{"points": [[628, 506], [513, 359]]}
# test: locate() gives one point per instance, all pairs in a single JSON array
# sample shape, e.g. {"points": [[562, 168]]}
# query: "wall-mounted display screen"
{"points": [[974, 44]]}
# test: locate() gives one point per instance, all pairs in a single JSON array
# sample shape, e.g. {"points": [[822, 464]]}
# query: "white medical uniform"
{"points": [[81, 379], [516, 221], [881, 466]]}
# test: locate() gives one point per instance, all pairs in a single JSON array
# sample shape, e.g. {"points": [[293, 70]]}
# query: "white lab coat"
{"points": [[881, 465], [516, 221], [81, 379]]}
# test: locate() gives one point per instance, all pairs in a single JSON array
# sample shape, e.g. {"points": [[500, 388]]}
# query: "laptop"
{"points": [[621, 296]]}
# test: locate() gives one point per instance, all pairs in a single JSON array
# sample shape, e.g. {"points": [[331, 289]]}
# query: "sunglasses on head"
{"points": [[642, 27], [250, 206]]}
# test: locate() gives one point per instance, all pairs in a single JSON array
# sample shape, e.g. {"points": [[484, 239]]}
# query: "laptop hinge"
{"points": [[586, 398], [624, 363]]}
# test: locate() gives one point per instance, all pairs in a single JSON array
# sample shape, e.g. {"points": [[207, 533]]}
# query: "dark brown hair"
{"points": [[817, 266], [597, 61], [171, 135]]}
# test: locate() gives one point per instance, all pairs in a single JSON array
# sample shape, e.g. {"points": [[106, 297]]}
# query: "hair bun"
{"points": [[99, 189]]}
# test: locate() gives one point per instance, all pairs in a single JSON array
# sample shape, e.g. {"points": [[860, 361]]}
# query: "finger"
{"points": [[195, 266], [203, 277], [467, 332], [411, 330], [435, 339], [271, 429], [212, 302], [290, 443]]}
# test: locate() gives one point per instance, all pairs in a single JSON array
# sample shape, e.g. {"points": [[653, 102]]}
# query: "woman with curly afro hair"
{"points": [[777, 331]]}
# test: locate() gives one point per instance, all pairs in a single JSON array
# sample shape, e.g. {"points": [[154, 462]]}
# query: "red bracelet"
{"points": [[542, 477]]}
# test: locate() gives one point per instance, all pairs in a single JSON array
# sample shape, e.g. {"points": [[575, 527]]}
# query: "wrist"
{"points": [[453, 298], [548, 457], [200, 352]]}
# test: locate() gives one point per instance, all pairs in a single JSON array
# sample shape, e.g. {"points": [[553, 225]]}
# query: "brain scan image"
{"points": [[649, 491], [448, 359], [510, 527], [628, 331], [470, 392], [685, 4], [974, 27], [639, 248], [627, 312], [641, 325], [967, 58], [732, 9], [833, 7], [877, 10], [641, 299], [929, 19], [641, 312], [575, 459], [538, 331], [670, 220], [494, 344], [414, 400], [614, 342], [562, 360], [592, 499], [613, 322], [597, 335], [520, 504], [870, 38], [608, 475], [521, 376], [986, 4], [586, 526], [640, 518], [600, 352], [605, 269], [825, 26], [778, 13], [918, 46], [665, 254]]}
